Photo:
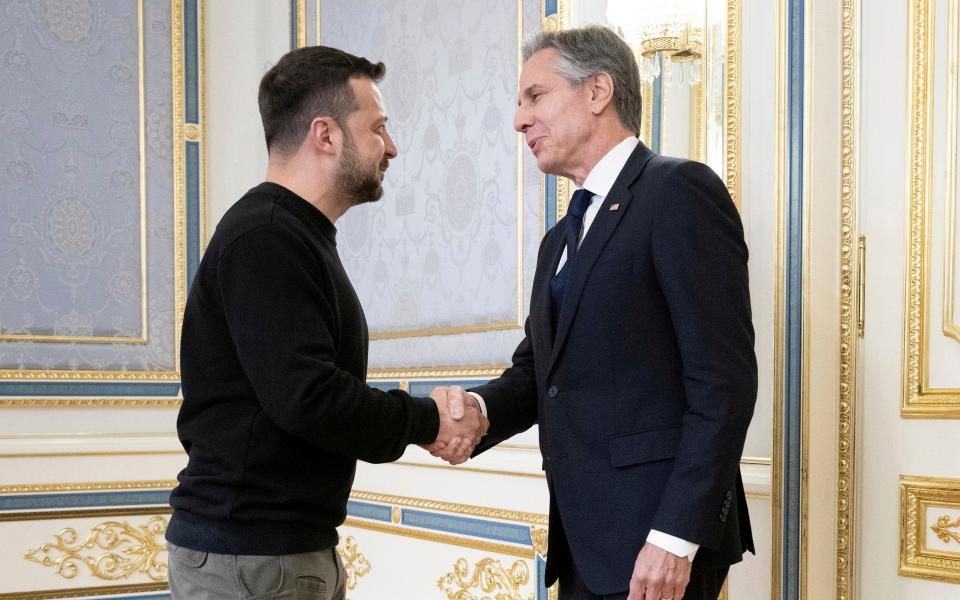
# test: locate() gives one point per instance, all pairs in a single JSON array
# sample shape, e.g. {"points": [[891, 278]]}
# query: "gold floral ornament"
{"points": [[129, 550], [489, 576], [355, 564], [943, 527]]}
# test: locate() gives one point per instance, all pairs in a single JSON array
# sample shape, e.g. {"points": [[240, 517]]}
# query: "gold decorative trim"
{"points": [[646, 115], [34, 375], [191, 132], [943, 529], [539, 537], [437, 372], [301, 23], [85, 591], [849, 313], [732, 112], [917, 495], [90, 402], [950, 326], [87, 454], [179, 175], [443, 538], [355, 564], [489, 576], [97, 486], [430, 331], [919, 400], [130, 550], [451, 507]]}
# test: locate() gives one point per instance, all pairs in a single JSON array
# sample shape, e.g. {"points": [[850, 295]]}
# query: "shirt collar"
{"points": [[601, 178]]}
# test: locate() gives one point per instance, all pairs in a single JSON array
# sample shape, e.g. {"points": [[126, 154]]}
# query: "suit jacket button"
{"points": [[729, 494], [723, 518], [553, 392], [726, 503]]}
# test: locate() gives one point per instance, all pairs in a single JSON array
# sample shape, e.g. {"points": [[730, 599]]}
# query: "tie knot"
{"points": [[579, 203]]}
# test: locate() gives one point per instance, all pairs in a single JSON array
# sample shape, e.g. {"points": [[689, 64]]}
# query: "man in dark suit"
{"points": [[638, 360]]}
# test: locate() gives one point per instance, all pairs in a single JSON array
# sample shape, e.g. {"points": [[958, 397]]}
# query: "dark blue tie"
{"points": [[573, 223]]}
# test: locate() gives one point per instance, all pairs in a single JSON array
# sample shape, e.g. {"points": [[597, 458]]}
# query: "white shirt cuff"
{"points": [[483, 405], [673, 544]]}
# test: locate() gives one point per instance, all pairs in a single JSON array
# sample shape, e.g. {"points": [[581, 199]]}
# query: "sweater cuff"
{"points": [[426, 421]]}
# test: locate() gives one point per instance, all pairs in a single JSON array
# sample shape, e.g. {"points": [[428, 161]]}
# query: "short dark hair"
{"points": [[307, 83]]}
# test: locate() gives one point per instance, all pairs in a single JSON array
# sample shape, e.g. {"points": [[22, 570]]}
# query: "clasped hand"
{"points": [[461, 424]]}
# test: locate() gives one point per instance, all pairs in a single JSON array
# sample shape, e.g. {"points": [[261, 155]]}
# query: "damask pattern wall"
{"points": [[444, 262], [87, 225]]}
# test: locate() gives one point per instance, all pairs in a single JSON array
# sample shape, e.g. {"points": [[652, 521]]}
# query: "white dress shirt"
{"points": [[599, 181]]}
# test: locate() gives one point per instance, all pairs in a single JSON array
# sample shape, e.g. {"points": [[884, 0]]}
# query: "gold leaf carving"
{"points": [[355, 564], [943, 527], [539, 537], [129, 550], [489, 576]]}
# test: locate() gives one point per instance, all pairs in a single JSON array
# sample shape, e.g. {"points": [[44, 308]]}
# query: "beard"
{"points": [[356, 182]]}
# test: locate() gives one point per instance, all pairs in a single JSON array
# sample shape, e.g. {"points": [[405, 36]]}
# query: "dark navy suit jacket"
{"points": [[644, 392]]}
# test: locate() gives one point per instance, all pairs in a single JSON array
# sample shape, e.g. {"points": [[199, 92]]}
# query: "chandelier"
{"points": [[667, 36]]}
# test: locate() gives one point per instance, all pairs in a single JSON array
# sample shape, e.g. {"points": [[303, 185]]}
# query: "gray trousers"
{"points": [[197, 575]]}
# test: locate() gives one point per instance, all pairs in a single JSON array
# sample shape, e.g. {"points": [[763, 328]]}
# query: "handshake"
{"points": [[461, 425]]}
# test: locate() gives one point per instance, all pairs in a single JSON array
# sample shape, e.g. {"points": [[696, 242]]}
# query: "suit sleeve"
{"points": [[283, 327], [700, 258]]}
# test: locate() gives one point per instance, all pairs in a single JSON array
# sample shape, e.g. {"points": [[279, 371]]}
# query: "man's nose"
{"points": [[522, 120], [390, 148]]}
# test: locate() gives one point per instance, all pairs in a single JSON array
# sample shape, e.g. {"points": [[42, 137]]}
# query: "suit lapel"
{"points": [[543, 324], [601, 229]]}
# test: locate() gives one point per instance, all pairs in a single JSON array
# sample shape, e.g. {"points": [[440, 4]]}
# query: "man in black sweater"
{"points": [[275, 409]]}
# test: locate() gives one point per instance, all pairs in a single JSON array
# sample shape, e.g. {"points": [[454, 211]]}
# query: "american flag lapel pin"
{"points": [[614, 207]]}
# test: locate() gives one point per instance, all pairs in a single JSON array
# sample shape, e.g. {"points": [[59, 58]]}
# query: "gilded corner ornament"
{"points": [[539, 537], [129, 550], [355, 564], [489, 576]]}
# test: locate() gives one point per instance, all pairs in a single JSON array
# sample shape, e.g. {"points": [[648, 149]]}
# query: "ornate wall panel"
{"points": [[930, 528], [931, 382], [102, 186]]}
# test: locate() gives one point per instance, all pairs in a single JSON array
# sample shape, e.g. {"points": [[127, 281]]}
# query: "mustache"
{"points": [[384, 164]]}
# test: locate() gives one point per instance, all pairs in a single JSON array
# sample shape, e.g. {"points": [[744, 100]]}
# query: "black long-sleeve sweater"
{"points": [[275, 410]]}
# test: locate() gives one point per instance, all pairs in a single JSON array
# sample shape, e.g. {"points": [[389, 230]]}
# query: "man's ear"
{"points": [[324, 135], [601, 91]]}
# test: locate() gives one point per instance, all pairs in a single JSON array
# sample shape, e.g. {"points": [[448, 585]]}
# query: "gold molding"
{"points": [[355, 564], [539, 537], [489, 576], [129, 550], [97, 486], [302, 23], [732, 112], [39, 376], [918, 399], [646, 115], [441, 372], [916, 559], [849, 311], [90, 402], [451, 507], [951, 328], [443, 538]]}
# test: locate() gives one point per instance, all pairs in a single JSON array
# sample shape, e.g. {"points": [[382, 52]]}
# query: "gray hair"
{"points": [[586, 51]]}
